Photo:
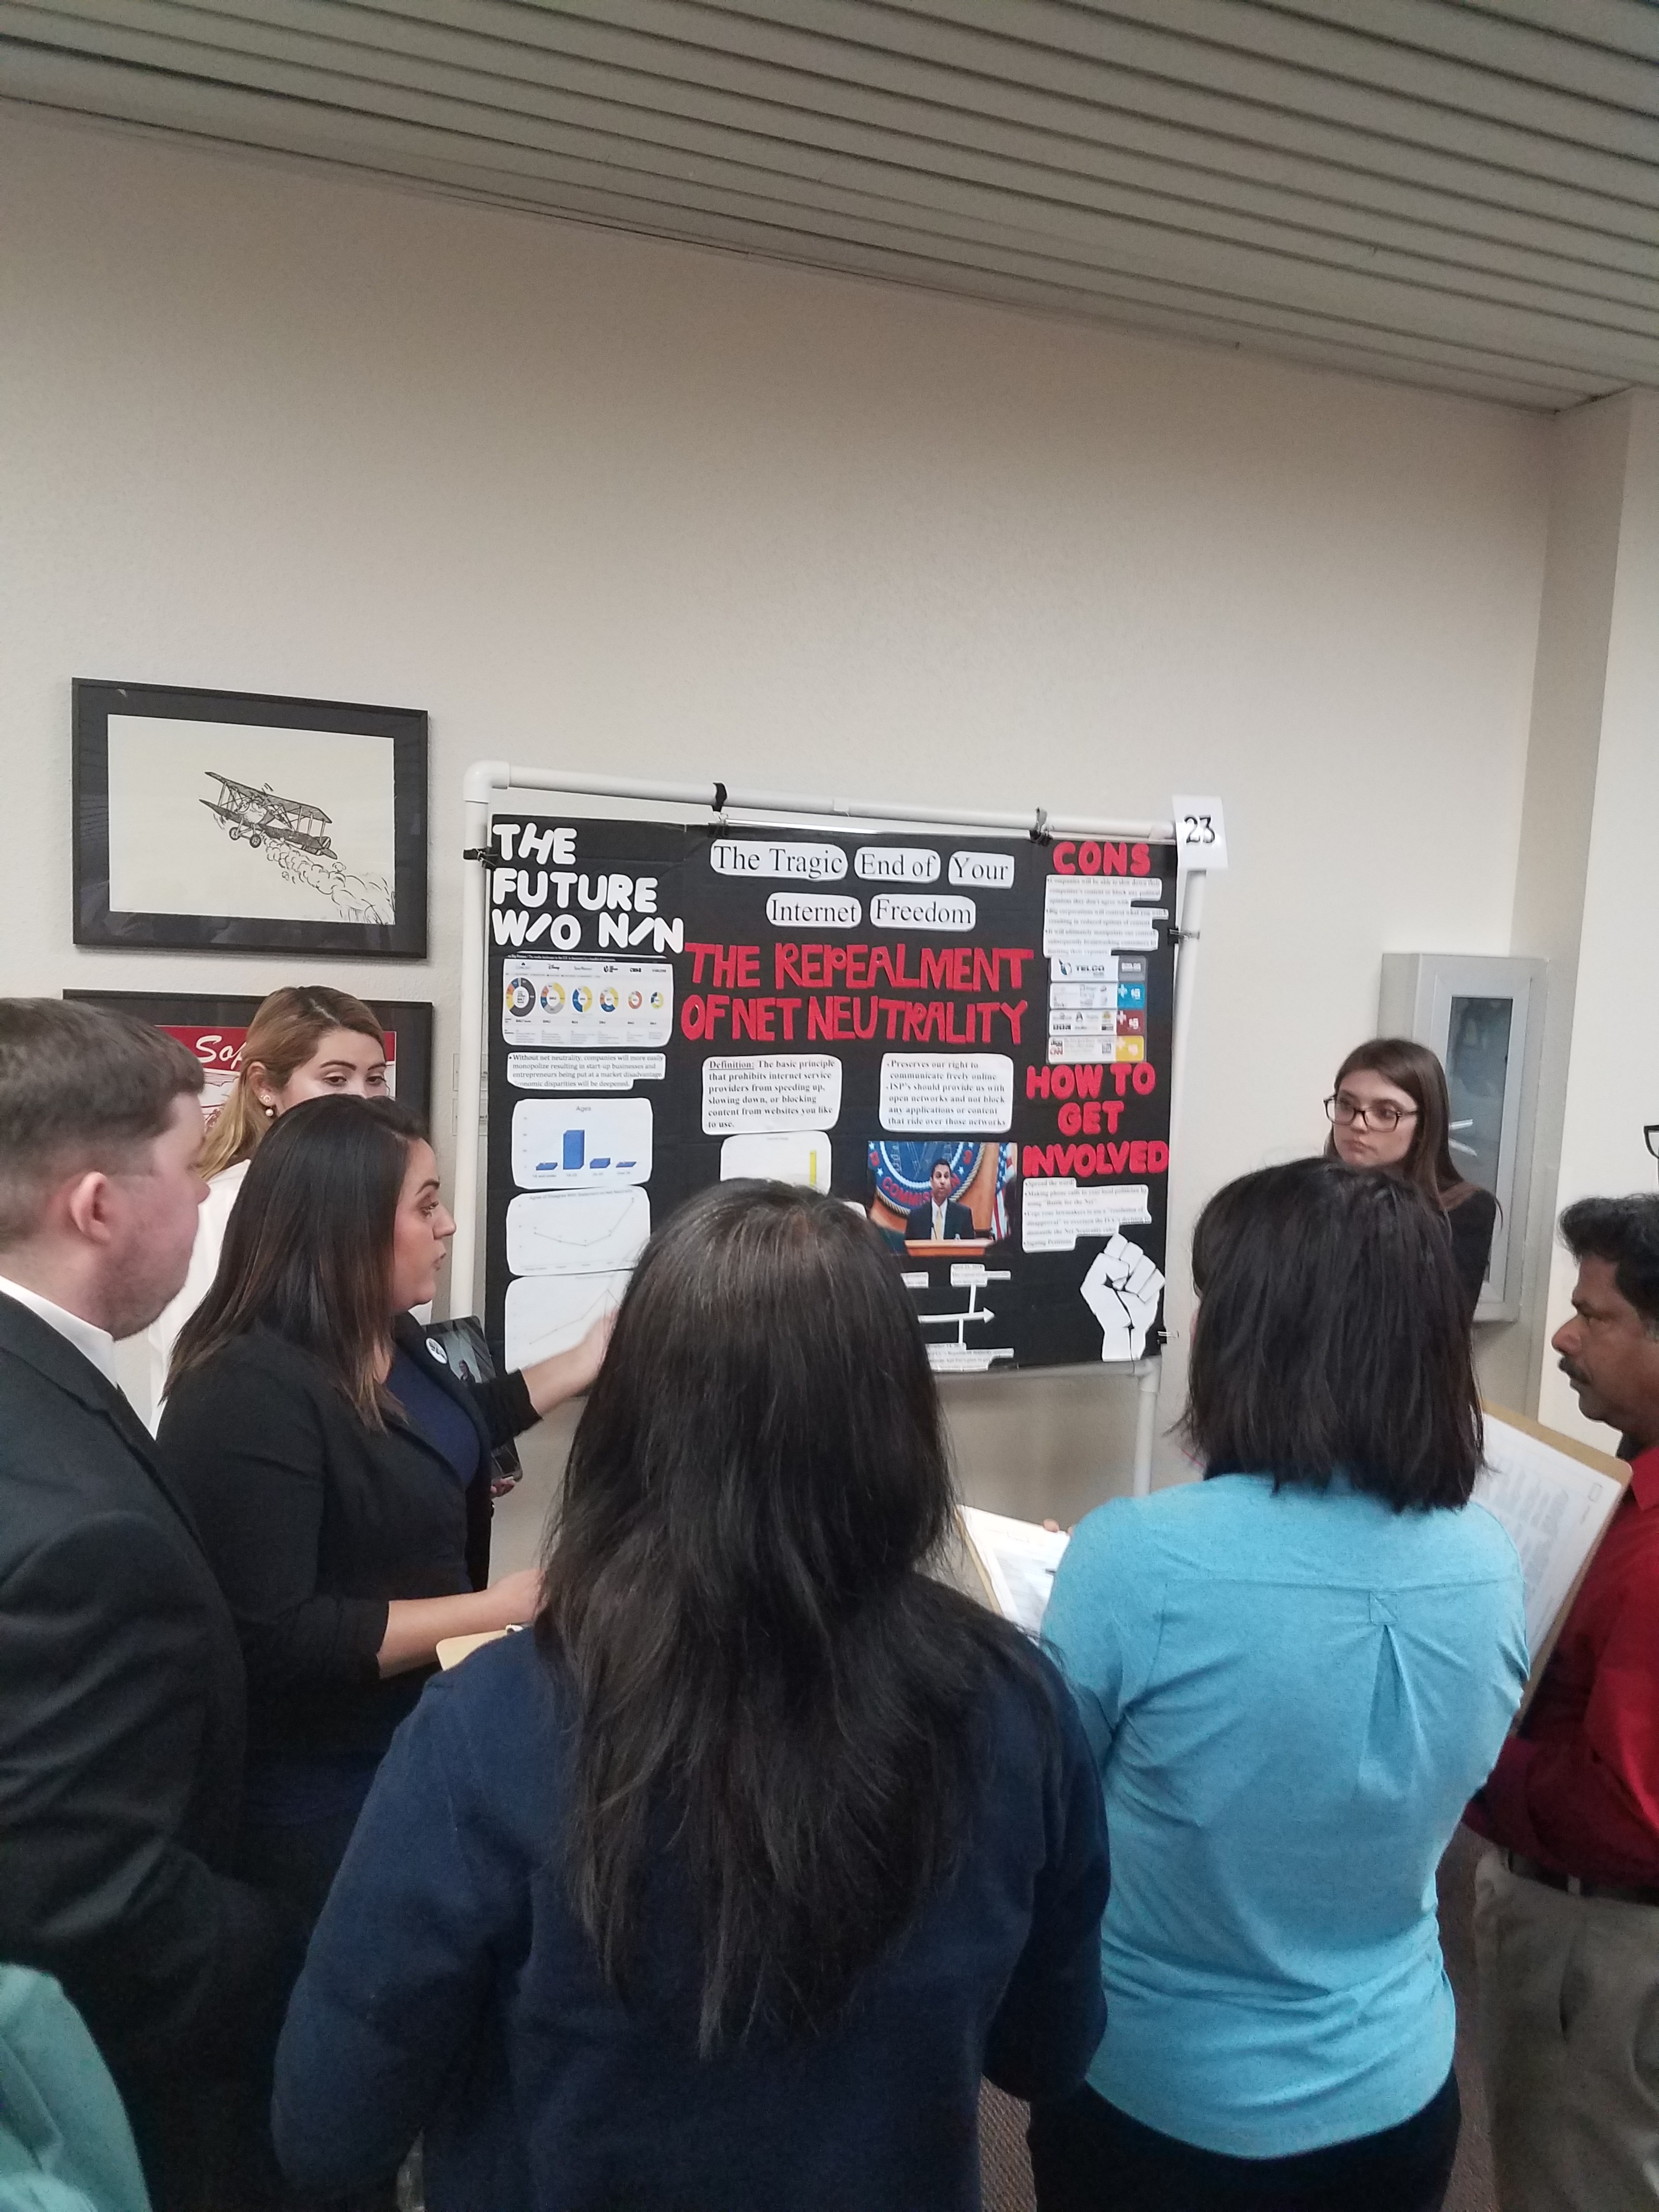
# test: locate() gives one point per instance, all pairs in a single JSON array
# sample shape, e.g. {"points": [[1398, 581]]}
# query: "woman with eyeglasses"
{"points": [[1388, 1108]]}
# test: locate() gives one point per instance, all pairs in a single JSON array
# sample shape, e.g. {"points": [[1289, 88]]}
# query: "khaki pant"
{"points": [[1569, 2044]]}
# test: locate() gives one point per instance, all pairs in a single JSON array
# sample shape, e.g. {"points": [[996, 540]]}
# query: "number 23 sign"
{"points": [[1200, 831]]}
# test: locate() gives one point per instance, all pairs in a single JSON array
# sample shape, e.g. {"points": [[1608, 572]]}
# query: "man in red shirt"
{"points": [[1567, 1911]]}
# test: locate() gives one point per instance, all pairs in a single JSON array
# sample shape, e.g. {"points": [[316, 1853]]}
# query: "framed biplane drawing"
{"points": [[232, 822]]}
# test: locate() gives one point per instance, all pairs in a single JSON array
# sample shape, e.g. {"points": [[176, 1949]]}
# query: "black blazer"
{"points": [[1472, 1222], [919, 1222], [121, 1738], [313, 1522]]}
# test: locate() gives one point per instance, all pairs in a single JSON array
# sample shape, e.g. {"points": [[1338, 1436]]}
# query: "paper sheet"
{"points": [[1556, 1503], [1017, 1560]]}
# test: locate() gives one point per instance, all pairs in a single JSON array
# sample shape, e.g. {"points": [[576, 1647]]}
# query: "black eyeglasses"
{"points": [[1381, 1113]]}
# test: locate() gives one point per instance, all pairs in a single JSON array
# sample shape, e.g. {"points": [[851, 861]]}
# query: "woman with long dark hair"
{"points": [[1389, 1109], [340, 1475], [723, 1888], [1295, 1674]]}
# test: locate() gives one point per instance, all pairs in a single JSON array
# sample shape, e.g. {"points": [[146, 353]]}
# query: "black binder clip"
{"points": [[1039, 830]]}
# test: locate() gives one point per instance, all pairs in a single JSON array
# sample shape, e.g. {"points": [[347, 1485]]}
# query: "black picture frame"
{"points": [[410, 1020], [294, 824]]}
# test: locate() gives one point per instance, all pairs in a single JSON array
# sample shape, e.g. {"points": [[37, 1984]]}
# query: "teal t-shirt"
{"points": [[65, 2142], [1291, 1695]]}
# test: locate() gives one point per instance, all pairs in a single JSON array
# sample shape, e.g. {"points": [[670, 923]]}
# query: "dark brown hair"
{"points": [[79, 1089], [308, 1251], [767, 1682], [283, 1035], [1413, 1068], [1331, 1337]]}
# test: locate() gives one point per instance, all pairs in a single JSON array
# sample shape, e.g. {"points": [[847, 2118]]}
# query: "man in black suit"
{"points": [[122, 1700], [942, 1221]]}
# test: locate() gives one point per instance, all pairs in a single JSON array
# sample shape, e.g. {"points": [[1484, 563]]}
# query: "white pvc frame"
{"points": [[484, 779]]}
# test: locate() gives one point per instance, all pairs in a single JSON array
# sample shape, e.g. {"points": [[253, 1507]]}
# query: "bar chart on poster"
{"points": [[966, 1037]]}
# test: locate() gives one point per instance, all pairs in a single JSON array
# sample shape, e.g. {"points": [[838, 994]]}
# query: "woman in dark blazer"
{"points": [[339, 1473]]}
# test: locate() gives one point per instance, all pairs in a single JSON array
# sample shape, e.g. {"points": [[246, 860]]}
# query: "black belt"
{"points": [[1620, 1893]]}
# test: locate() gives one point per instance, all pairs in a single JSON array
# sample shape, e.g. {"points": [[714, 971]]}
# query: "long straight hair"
{"points": [[308, 1248], [283, 1035], [1413, 1068], [764, 1675]]}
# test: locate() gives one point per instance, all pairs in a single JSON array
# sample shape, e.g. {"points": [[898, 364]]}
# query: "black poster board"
{"points": [[673, 1004]]}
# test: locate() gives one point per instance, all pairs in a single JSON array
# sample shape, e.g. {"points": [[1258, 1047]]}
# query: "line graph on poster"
{"points": [[576, 1233], [545, 1314]]}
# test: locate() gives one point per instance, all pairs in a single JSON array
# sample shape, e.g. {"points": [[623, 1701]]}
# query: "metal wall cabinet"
{"points": [[1483, 1015]]}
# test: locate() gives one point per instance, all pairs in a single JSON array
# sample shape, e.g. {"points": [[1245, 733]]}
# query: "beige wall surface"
{"points": [[607, 503], [1611, 1074]]}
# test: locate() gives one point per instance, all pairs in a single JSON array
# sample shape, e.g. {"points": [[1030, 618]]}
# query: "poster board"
{"points": [[670, 1006], [1557, 1497]]}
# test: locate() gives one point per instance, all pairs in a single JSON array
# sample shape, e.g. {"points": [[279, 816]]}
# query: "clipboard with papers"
{"points": [[1556, 1497]]}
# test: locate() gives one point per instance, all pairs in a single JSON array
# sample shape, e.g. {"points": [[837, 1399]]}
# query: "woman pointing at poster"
{"points": [[339, 1473]]}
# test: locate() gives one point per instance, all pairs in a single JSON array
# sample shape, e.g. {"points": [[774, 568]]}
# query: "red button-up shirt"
{"points": [[1578, 1789]]}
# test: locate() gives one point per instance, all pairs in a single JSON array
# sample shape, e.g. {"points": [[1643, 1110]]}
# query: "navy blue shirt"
{"points": [[434, 1414], [448, 1987]]}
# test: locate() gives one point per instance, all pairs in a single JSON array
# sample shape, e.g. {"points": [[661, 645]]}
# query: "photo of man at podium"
{"points": [[941, 1197], [943, 1220]]}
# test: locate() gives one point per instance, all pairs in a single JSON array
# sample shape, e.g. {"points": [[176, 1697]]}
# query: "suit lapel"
{"points": [[38, 1344], [118, 1409]]}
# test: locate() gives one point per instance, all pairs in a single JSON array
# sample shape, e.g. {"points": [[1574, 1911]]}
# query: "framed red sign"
{"points": [[213, 1028]]}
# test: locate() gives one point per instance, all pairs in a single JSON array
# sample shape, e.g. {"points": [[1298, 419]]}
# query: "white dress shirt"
{"points": [[211, 1222], [97, 1344], [938, 1221]]}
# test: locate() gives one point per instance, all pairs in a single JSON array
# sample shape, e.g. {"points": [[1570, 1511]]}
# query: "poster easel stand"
{"points": [[486, 780]]}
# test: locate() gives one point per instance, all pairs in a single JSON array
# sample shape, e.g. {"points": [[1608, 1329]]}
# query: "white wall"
{"points": [[1613, 1074], [1580, 572], [607, 502]]}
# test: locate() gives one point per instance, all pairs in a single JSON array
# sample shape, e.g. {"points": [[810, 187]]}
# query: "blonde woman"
{"points": [[306, 1042]]}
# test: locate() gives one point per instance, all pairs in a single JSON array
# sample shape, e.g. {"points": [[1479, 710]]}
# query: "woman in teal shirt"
{"points": [[1294, 1675]]}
